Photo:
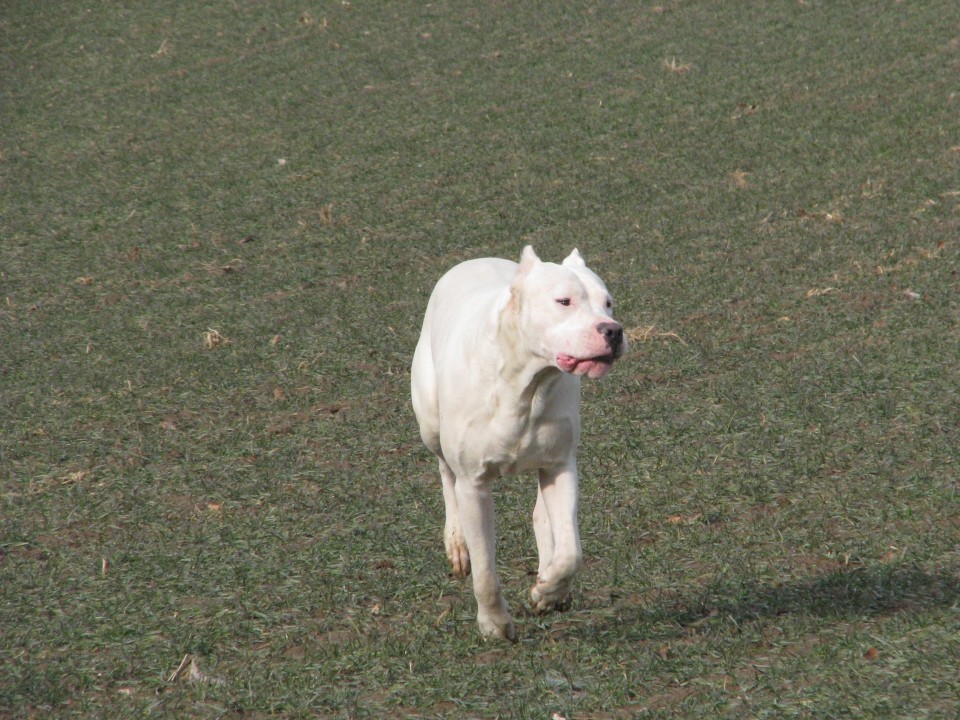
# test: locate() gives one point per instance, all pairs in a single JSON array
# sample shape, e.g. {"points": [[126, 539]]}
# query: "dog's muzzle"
{"points": [[613, 333]]}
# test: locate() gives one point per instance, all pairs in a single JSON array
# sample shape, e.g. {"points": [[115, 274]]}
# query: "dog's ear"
{"points": [[527, 260], [574, 259]]}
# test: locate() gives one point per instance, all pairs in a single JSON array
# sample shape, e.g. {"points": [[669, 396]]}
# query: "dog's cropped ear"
{"points": [[527, 260], [574, 259]]}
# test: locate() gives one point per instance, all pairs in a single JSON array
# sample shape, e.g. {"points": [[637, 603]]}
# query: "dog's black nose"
{"points": [[613, 334]]}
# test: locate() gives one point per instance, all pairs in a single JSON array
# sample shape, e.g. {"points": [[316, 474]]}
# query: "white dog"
{"points": [[496, 389]]}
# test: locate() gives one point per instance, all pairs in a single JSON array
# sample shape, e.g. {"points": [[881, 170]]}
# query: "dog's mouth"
{"points": [[595, 367]]}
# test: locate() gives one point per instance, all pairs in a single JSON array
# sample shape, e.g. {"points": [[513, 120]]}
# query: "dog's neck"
{"points": [[529, 375]]}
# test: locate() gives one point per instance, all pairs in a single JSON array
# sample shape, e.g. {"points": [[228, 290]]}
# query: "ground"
{"points": [[219, 226]]}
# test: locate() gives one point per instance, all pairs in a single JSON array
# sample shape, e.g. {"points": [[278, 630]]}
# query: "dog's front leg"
{"points": [[475, 502], [558, 538], [543, 532]]}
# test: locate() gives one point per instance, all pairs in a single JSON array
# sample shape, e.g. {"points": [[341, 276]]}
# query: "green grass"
{"points": [[770, 479]]}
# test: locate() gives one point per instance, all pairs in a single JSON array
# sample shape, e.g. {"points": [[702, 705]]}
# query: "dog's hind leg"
{"points": [[453, 539]]}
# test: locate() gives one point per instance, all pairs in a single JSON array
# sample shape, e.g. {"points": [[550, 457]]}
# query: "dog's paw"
{"points": [[497, 628], [543, 601], [459, 559]]}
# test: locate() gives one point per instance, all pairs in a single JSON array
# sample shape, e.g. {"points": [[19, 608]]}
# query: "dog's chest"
{"points": [[547, 443], [528, 437]]}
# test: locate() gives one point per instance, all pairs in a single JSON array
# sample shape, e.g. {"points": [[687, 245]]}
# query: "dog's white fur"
{"points": [[495, 384]]}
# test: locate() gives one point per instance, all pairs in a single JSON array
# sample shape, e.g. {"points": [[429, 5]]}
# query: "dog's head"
{"points": [[565, 314]]}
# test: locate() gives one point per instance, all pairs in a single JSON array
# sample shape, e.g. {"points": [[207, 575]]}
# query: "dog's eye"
{"points": [[609, 304], [564, 301]]}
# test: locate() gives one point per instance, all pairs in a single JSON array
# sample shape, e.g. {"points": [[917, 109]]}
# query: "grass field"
{"points": [[219, 226]]}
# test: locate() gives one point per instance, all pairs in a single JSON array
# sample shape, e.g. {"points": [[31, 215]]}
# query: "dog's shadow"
{"points": [[848, 593]]}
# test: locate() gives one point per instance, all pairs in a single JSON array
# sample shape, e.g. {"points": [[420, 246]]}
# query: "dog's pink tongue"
{"points": [[567, 363], [591, 367], [596, 368]]}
